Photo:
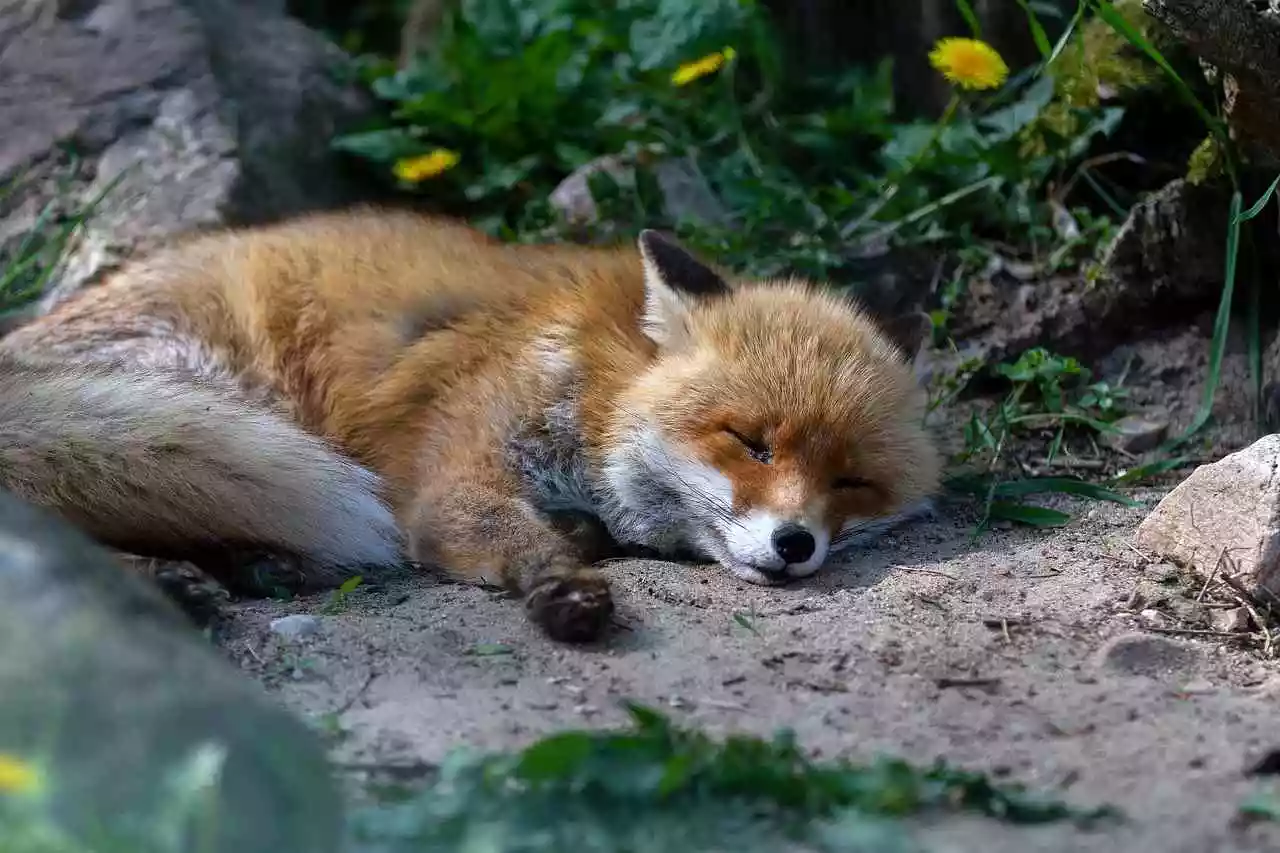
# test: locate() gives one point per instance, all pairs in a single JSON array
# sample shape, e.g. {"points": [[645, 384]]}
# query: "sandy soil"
{"points": [[1025, 654]]}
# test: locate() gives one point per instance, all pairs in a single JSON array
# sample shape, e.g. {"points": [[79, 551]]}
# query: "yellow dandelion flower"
{"points": [[424, 166], [709, 64], [17, 776], [969, 63]]}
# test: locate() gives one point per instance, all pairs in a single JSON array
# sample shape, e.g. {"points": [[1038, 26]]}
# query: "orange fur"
{"points": [[492, 388]]}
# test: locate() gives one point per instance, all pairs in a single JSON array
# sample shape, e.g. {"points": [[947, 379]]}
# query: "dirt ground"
{"points": [[1025, 653]]}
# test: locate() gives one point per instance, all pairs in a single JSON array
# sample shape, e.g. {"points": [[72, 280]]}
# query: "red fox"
{"points": [[366, 388]]}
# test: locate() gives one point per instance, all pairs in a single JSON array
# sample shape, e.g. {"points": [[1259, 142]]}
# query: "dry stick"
{"points": [[1200, 632], [1212, 575], [927, 572], [1067, 462], [1247, 601], [1146, 558], [1267, 650]]}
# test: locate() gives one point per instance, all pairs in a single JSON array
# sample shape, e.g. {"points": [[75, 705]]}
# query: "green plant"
{"points": [[25, 269], [659, 787], [808, 172], [1051, 395], [338, 598]]}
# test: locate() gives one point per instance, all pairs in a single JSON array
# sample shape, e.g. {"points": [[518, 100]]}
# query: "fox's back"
{"points": [[357, 323]]}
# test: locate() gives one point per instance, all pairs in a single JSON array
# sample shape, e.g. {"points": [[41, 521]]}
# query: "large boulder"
{"points": [[123, 729], [1224, 519], [187, 114]]}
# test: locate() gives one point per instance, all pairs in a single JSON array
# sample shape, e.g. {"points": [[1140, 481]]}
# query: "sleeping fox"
{"points": [[359, 388]]}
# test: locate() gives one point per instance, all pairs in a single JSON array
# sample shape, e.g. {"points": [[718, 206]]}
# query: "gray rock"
{"points": [[1233, 621], [1148, 655], [686, 195], [295, 626], [1138, 433], [1229, 507], [572, 197], [188, 114], [129, 711]]}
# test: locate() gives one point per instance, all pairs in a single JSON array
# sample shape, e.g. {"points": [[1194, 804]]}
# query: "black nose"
{"points": [[793, 543]]}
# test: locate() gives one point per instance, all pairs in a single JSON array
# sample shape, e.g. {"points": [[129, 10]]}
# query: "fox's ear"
{"points": [[673, 280]]}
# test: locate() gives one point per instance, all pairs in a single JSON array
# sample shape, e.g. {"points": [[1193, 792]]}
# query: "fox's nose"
{"points": [[793, 543]]}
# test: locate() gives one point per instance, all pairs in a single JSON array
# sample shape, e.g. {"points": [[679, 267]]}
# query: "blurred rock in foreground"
{"points": [[138, 729]]}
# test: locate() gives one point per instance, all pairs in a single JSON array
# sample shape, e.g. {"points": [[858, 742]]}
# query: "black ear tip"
{"points": [[652, 240], [676, 267]]}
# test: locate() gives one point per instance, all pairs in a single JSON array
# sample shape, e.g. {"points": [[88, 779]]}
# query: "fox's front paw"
{"points": [[572, 607]]}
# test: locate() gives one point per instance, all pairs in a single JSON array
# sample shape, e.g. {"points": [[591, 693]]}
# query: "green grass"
{"points": [[26, 269]]}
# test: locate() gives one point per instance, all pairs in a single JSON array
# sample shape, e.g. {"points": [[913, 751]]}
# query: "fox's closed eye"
{"points": [[759, 451], [851, 483]]}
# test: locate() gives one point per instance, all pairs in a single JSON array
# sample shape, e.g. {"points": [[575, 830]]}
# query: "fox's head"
{"points": [[776, 422]]}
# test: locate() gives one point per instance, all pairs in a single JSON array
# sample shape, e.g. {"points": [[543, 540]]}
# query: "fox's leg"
{"points": [[478, 528]]}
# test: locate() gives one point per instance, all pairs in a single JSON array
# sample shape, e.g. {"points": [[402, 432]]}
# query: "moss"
{"points": [[1205, 163], [1096, 62]]}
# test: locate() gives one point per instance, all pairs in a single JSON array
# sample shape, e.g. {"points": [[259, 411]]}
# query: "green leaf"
{"points": [[381, 146], [1151, 469], [1061, 485], [1038, 34], [491, 649], [1034, 516], [1221, 325], [1006, 122], [655, 788], [1257, 206], [1067, 33], [1262, 805], [970, 17]]}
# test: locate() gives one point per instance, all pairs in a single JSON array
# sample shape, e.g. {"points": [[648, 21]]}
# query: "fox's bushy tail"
{"points": [[150, 461]]}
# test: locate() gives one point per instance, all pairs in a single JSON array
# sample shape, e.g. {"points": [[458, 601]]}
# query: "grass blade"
{"points": [[1061, 485], [1151, 469], [1033, 516], [1066, 34], [1220, 325], [1038, 34], [1259, 204], [970, 17]]}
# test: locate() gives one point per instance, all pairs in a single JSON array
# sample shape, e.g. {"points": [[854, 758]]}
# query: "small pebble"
{"points": [[1197, 685], [295, 627], [1231, 621], [1147, 655], [542, 706]]}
